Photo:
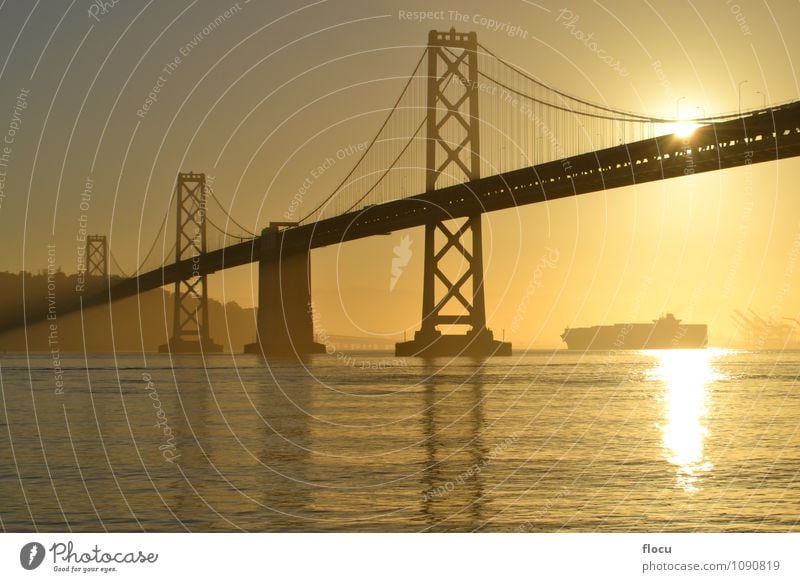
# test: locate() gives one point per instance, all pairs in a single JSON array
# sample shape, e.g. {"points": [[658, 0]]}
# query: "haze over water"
{"points": [[673, 440]]}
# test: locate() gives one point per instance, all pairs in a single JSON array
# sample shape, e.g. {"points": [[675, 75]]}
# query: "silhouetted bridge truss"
{"points": [[452, 86]]}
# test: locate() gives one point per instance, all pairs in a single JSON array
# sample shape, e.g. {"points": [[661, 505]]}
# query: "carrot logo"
{"points": [[402, 255]]}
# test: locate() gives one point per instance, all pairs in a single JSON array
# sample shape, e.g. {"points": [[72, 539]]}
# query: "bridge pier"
{"points": [[285, 326], [473, 344]]}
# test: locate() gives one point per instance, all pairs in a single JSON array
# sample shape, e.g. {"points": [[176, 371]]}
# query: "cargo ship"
{"points": [[664, 333]]}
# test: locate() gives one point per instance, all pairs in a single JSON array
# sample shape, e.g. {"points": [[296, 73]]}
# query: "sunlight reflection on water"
{"points": [[686, 376]]}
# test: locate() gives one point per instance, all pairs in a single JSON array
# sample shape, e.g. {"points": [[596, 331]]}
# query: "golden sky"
{"points": [[276, 87]]}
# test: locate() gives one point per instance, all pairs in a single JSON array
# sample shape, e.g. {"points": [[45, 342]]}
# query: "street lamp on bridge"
{"points": [[740, 95], [678, 107]]}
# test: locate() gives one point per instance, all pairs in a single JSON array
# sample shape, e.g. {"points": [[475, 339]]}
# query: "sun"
{"points": [[684, 128]]}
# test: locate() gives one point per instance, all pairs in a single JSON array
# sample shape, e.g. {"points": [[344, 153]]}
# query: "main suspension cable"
{"points": [[372, 142]]}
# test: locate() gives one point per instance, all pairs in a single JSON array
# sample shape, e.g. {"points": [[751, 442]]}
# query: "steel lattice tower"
{"points": [[190, 327], [457, 55], [453, 149], [97, 256]]}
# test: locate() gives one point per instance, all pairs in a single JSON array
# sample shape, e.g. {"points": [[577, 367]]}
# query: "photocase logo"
{"points": [[31, 555], [402, 255]]}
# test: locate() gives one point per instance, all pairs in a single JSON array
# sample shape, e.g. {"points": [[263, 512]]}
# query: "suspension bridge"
{"points": [[470, 133]]}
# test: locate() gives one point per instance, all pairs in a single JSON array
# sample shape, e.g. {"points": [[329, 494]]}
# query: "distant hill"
{"points": [[140, 323]]}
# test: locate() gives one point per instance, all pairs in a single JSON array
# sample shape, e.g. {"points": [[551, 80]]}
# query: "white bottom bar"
{"points": [[403, 557]]}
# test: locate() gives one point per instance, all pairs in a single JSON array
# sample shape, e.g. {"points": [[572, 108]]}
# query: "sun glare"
{"points": [[684, 128], [686, 375]]}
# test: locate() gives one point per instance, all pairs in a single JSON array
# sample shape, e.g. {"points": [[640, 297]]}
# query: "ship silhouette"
{"points": [[664, 333]]}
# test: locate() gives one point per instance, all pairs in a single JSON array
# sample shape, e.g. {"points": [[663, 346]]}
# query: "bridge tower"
{"points": [[96, 256], [190, 327], [453, 103], [94, 275]]}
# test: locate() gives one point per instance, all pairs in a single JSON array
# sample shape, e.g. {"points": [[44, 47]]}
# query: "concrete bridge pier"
{"points": [[285, 326]]}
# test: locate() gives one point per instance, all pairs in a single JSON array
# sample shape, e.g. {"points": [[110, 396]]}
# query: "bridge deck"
{"points": [[768, 135]]}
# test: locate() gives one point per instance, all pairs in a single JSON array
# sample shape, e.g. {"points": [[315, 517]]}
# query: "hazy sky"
{"points": [[699, 246]]}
